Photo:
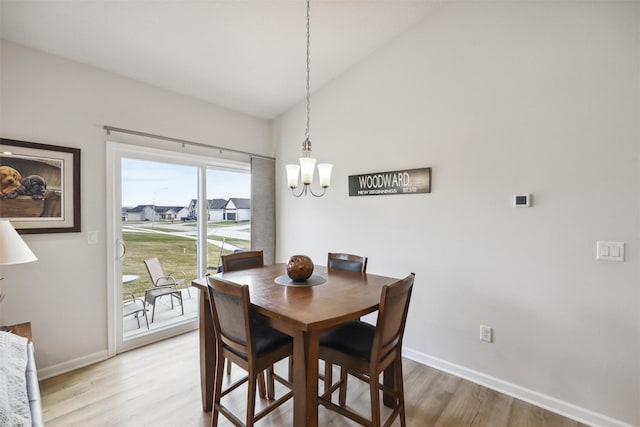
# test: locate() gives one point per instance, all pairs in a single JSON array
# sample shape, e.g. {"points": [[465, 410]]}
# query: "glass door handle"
{"points": [[124, 249]]}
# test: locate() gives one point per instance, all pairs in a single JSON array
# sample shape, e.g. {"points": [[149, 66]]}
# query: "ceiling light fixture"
{"points": [[307, 163]]}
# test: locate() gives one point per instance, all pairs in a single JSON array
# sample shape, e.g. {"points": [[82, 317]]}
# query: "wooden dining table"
{"points": [[301, 311]]}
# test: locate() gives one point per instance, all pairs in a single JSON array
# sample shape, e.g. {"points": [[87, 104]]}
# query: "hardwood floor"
{"points": [[158, 385]]}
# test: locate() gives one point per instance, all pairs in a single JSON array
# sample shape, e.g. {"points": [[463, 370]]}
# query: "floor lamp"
{"points": [[13, 250]]}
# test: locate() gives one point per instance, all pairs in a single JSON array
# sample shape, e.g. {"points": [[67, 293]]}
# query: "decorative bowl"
{"points": [[299, 268]]}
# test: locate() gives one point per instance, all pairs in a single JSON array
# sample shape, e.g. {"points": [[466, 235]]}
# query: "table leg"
{"points": [[305, 379], [207, 353]]}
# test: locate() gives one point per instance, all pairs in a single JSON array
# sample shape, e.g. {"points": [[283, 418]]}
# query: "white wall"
{"points": [[499, 98], [50, 100]]}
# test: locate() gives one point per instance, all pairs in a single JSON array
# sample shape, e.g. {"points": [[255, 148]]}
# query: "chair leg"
{"points": [[251, 397], [400, 391], [138, 319], [342, 400], [290, 373], [328, 376], [181, 304], [374, 387], [153, 313], [261, 385], [271, 386], [146, 319], [217, 391]]}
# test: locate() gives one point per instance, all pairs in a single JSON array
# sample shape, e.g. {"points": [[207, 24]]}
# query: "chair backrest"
{"points": [[155, 269], [347, 262], [242, 260], [392, 317], [231, 312]]}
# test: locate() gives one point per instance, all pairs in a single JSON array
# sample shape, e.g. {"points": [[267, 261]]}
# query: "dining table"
{"points": [[303, 310]]}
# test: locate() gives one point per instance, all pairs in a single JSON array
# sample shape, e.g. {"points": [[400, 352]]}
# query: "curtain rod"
{"points": [[184, 142]]}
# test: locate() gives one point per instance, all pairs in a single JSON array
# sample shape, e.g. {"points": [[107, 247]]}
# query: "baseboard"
{"points": [[552, 404], [61, 368], [90, 359]]}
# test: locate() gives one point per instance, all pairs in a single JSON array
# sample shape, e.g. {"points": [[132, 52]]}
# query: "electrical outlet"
{"points": [[486, 333]]}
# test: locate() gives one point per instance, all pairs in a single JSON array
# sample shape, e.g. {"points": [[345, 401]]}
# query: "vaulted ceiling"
{"points": [[246, 55]]}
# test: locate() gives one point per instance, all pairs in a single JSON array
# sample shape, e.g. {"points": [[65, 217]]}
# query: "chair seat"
{"points": [[266, 339], [132, 307], [353, 338], [152, 294]]}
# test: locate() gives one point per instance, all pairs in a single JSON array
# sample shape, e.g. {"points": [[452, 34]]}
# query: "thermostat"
{"points": [[522, 200]]}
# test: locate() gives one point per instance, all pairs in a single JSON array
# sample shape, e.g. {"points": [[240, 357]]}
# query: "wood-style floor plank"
{"points": [[159, 385]]}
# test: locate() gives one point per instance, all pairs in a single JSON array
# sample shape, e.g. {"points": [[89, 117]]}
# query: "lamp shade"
{"points": [[324, 171], [307, 165], [293, 173], [13, 250]]}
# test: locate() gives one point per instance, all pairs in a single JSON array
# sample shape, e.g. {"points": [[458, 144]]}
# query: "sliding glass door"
{"points": [[160, 245], [174, 216]]}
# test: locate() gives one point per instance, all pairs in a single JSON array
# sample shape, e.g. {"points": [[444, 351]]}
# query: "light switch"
{"points": [[603, 250], [92, 237], [610, 251]]}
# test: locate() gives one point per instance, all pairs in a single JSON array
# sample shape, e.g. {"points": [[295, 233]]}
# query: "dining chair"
{"points": [[338, 261], [243, 260], [348, 262], [364, 351], [250, 344]]}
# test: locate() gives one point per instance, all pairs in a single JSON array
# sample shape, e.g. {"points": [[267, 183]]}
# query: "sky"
{"points": [[175, 185]]}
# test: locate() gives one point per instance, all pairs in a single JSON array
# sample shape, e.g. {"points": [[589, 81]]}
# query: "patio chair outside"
{"points": [[176, 279], [135, 307], [162, 285]]}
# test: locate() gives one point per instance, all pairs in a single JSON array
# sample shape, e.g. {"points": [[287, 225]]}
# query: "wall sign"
{"points": [[407, 181]]}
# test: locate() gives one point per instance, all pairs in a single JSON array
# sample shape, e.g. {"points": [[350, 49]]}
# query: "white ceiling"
{"points": [[246, 55]]}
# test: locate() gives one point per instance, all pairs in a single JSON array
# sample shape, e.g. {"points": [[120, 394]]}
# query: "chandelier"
{"points": [[307, 164]]}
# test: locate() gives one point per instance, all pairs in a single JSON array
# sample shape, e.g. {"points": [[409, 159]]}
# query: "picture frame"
{"points": [[39, 187]]}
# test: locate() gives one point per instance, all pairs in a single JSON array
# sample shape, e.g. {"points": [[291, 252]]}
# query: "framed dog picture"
{"points": [[39, 187]]}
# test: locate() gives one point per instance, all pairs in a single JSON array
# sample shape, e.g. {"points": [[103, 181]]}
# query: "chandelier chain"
{"points": [[306, 134], [307, 163]]}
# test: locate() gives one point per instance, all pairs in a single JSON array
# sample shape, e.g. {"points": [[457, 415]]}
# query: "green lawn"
{"points": [[174, 252], [242, 244]]}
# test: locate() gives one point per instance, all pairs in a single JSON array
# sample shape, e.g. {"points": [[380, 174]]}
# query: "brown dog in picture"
{"points": [[9, 182]]}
